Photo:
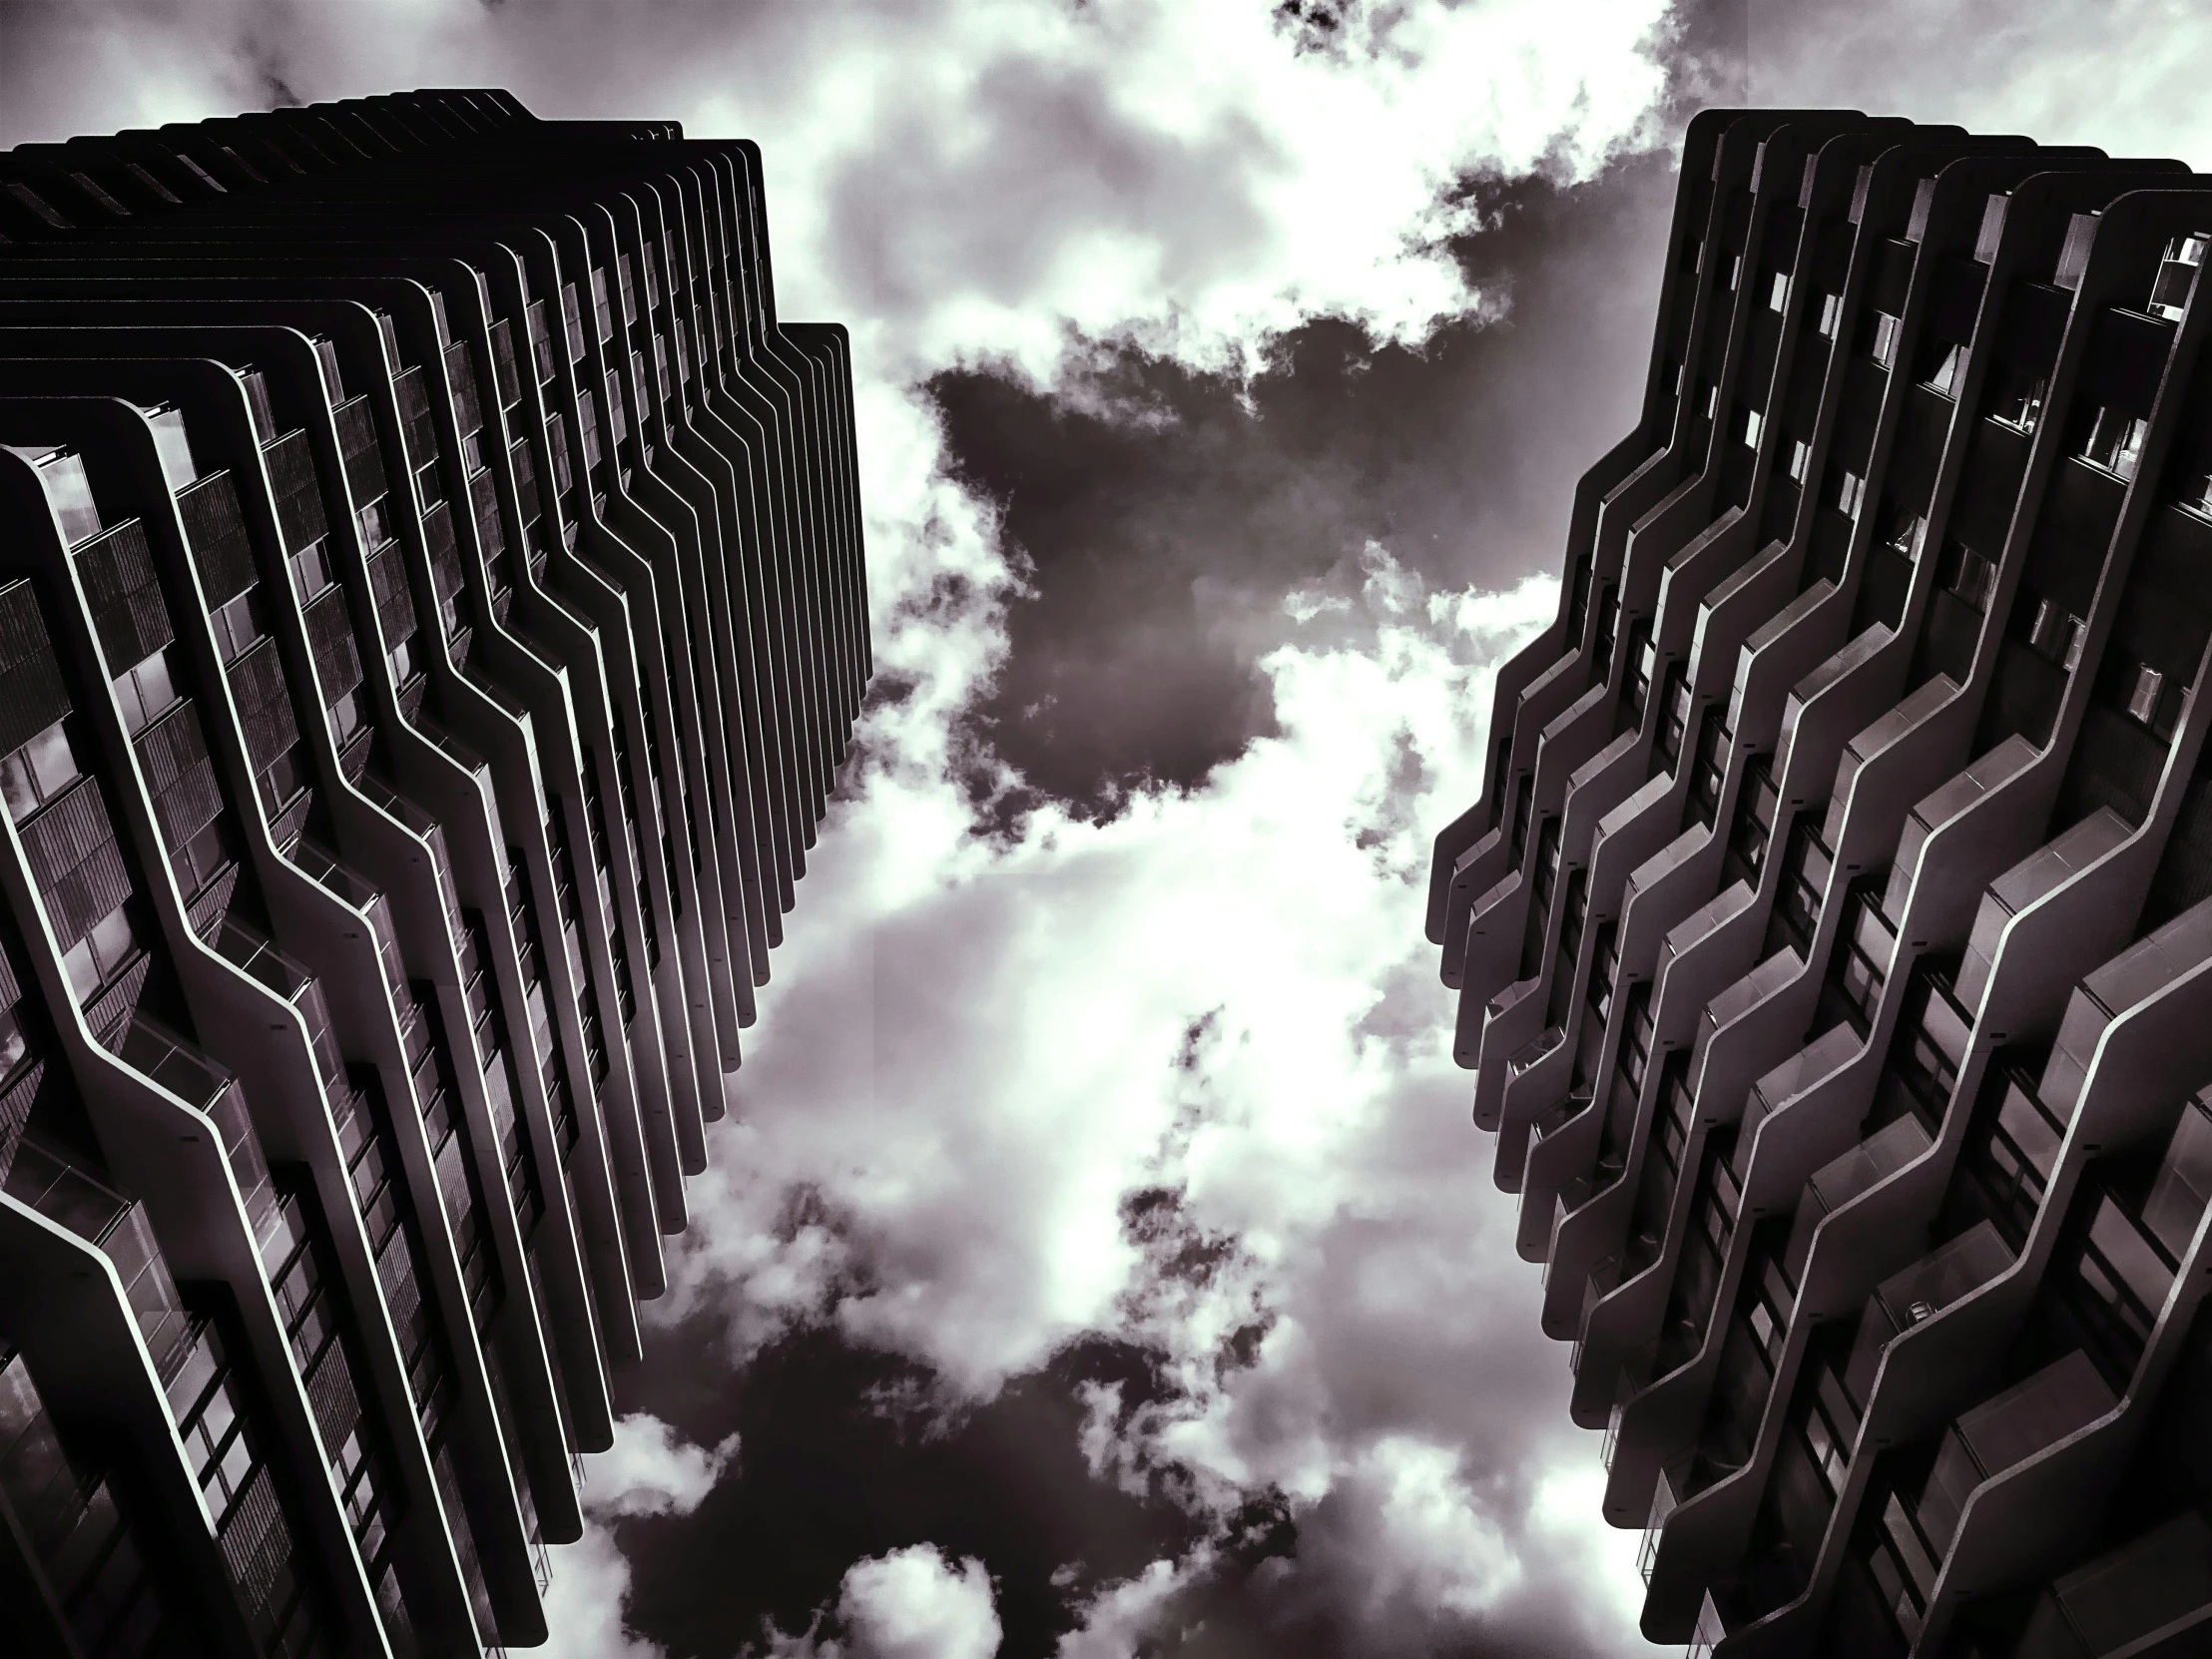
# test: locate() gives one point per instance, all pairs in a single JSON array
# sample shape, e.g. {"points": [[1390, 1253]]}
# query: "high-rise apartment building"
{"points": [[1832, 937], [433, 614]]}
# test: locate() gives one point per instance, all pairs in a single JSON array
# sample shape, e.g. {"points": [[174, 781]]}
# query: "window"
{"points": [[2144, 691], [403, 665], [255, 385], [1902, 530], [1804, 886], [1749, 428], [346, 717], [2013, 1158], [87, 183], [13, 1046], [1674, 714], [97, 958], [2057, 633], [375, 525], [587, 427], [69, 492], [32, 775], [239, 625], [2177, 275], [1850, 493], [1709, 400], [473, 453], [1967, 576], [1882, 347], [1949, 369], [2117, 443], [2122, 1269], [2183, 1185], [2019, 400], [430, 486], [203, 858], [1863, 963], [282, 781], [144, 692], [1777, 293], [1832, 315], [37, 203], [1735, 272], [310, 571], [327, 353], [1800, 461], [1830, 1450], [171, 444]]}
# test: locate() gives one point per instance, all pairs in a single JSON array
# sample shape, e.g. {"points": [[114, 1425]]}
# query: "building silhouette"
{"points": [[433, 614], [1832, 938]]}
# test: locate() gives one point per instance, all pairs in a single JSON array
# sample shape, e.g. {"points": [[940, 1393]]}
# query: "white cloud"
{"points": [[975, 1054], [583, 1608], [1178, 169], [972, 180], [2124, 75], [914, 1604], [1123, 1616], [911, 1604], [649, 1472]]}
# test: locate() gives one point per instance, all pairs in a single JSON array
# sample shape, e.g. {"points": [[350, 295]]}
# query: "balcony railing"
{"points": [[1663, 1502], [69, 1515], [1530, 1052], [198, 1081], [1920, 1291], [46, 1178]]}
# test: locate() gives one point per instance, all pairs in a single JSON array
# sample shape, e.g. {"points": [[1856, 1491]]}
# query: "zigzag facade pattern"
{"points": [[1832, 938], [432, 616]]}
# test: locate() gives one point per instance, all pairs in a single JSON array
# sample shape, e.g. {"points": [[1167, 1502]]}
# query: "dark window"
{"points": [[146, 691], [32, 775]]}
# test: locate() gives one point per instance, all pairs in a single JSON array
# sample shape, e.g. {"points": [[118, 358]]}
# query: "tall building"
{"points": [[433, 614], [1832, 937]]}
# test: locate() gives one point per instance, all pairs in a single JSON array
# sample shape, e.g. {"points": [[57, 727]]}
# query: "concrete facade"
{"points": [[1832, 938], [432, 616]]}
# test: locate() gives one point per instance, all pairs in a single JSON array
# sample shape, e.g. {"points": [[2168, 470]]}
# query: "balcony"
{"points": [[1663, 1504], [2026, 884], [1837, 1183], [1709, 1632], [1825, 1055], [2147, 969], [163, 1058], [47, 1178], [1919, 1292], [69, 1516], [1530, 1052], [256, 955], [2147, 1596], [322, 867], [2005, 1431]]}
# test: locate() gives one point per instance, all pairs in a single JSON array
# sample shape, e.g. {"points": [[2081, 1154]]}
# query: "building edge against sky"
{"points": [[1833, 938], [433, 615]]}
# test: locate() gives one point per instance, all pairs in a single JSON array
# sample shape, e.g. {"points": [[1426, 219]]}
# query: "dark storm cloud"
{"points": [[1166, 512]]}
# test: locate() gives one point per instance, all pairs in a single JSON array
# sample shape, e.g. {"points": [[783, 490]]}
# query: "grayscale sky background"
{"points": [[1102, 1262]]}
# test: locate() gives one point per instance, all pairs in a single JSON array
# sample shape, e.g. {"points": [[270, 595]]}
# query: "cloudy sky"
{"points": [[1103, 1263]]}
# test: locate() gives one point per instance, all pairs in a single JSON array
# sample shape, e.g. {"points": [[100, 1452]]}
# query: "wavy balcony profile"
{"points": [[1833, 921], [433, 615]]}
